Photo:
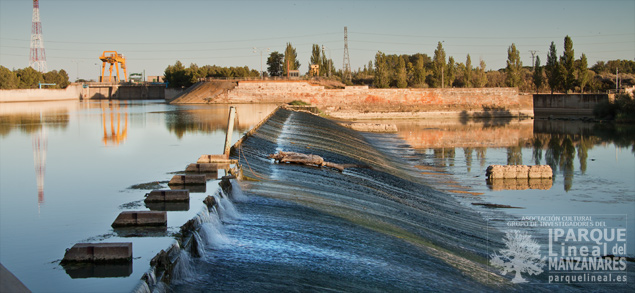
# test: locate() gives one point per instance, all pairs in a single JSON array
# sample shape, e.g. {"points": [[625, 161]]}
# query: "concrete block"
{"points": [[100, 270], [172, 206], [206, 167], [521, 171], [188, 180], [192, 188], [168, 195], [99, 252], [218, 159], [141, 218]]}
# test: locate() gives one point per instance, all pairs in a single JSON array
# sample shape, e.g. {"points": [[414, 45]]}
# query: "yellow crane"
{"points": [[115, 59]]}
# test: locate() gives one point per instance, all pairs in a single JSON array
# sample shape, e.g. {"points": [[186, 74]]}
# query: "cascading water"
{"points": [[364, 229], [183, 270], [226, 208]]}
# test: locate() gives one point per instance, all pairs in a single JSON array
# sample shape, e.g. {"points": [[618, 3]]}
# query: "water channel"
{"points": [[68, 168]]}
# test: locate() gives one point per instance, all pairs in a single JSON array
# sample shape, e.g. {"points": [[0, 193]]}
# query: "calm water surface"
{"points": [[65, 173], [66, 169]]}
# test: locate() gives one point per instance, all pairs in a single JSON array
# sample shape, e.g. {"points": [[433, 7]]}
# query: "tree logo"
{"points": [[522, 255]]}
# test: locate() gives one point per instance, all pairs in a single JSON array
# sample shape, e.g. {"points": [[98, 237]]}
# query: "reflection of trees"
{"points": [[566, 162], [553, 153], [481, 152], [537, 153], [32, 122], [515, 155], [468, 158], [583, 154], [445, 156]]}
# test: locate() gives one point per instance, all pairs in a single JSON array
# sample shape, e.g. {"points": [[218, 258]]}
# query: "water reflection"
{"points": [[40, 144], [214, 118], [556, 143], [111, 111]]}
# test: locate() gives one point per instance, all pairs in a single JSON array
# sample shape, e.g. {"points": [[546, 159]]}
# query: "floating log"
{"points": [[168, 195], [520, 171], [99, 252], [310, 160], [141, 218], [188, 180]]}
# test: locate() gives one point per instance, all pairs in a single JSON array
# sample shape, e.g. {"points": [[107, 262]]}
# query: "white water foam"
{"points": [[226, 207], [183, 270], [237, 193]]}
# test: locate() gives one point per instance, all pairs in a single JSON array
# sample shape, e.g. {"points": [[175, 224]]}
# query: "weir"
{"points": [[385, 200]]}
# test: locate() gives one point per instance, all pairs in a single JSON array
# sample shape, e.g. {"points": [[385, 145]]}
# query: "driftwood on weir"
{"points": [[310, 160]]}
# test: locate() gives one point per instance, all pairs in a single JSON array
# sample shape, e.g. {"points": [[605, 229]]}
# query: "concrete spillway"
{"points": [[376, 226]]}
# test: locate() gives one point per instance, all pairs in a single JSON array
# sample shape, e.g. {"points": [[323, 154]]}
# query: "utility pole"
{"points": [[533, 55], [256, 50]]}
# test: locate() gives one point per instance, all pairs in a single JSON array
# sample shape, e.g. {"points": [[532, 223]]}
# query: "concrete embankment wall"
{"points": [[123, 92], [567, 104], [364, 102], [72, 92]]}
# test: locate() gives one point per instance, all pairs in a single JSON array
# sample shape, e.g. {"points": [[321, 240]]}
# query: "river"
{"points": [[67, 169]]}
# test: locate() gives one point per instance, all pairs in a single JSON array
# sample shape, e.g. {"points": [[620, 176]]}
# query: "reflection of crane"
{"points": [[40, 142], [116, 136], [114, 59]]}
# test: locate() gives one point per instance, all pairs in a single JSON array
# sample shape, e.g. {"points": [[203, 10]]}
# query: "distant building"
{"points": [[154, 78], [294, 74]]}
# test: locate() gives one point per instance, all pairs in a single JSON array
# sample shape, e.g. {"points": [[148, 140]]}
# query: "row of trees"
{"points": [[178, 76], [29, 78], [561, 73]]}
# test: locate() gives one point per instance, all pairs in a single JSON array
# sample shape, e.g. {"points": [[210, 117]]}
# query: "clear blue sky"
{"points": [[155, 34]]}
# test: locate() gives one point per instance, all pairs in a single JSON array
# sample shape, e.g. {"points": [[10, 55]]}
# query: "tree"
{"points": [[583, 73], [28, 78], [514, 67], [8, 79], [274, 64], [291, 61], [481, 79], [451, 72], [538, 79], [175, 75], [552, 69], [522, 255], [566, 61], [419, 74], [382, 77], [438, 69], [467, 74], [401, 77]]}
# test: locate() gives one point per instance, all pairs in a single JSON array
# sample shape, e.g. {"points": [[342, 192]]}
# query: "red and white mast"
{"points": [[37, 58]]}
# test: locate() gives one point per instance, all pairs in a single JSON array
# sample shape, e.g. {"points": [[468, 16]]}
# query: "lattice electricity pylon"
{"points": [[346, 67], [37, 57]]}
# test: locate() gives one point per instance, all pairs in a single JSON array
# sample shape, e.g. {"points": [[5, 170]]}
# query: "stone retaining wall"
{"points": [[487, 102]]}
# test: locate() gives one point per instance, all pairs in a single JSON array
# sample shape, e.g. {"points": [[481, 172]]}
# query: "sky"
{"points": [[155, 34]]}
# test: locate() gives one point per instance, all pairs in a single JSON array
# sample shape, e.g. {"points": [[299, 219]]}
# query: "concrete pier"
{"points": [[520, 171], [168, 195], [188, 180], [141, 218], [206, 167], [99, 252], [215, 159]]}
